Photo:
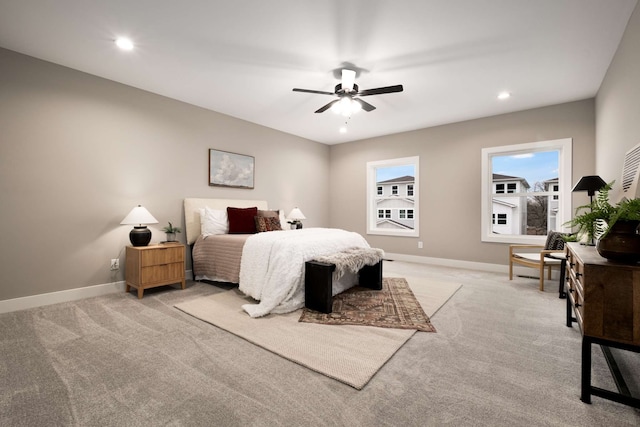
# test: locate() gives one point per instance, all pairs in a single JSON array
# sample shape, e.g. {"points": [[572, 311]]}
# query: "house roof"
{"points": [[498, 177], [406, 178]]}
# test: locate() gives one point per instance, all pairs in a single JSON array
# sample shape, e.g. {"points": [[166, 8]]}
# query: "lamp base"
{"points": [[140, 235]]}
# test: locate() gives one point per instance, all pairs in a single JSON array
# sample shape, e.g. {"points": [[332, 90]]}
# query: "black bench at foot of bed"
{"points": [[318, 280]]}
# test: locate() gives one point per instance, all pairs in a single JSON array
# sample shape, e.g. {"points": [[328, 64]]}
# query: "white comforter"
{"points": [[272, 266]]}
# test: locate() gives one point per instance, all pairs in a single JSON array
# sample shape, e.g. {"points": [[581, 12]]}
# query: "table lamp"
{"points": [[140, 235], [590, 184], [294, 218]]}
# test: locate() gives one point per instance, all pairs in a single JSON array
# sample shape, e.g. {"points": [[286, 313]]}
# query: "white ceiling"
{"points": [[243, 57]]}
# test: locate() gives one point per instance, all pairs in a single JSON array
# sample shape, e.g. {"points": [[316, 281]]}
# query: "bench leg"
{"points": [[370, 276], [318, 280]]}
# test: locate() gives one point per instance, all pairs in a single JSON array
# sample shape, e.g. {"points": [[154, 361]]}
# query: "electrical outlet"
{"points": [[115, 264], [420, 245]]}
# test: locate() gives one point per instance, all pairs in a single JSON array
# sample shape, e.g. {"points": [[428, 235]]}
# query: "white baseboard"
{"points": [[469, 265], [40, 300]]}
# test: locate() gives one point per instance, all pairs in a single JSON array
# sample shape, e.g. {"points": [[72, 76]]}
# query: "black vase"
{"points": [[622, 242]]}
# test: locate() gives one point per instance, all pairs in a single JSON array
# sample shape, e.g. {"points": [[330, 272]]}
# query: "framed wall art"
{"points": [[230, 169]]}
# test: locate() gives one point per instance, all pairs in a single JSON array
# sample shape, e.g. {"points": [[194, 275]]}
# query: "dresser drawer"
{"points": [[161, 256]]}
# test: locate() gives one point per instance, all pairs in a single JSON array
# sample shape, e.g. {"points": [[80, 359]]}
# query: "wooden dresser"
{"points": [[154, 265], [605, 298]]}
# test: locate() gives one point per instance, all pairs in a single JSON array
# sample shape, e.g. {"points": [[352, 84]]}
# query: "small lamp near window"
{"points": [[590, 184], [140, 235], [294, 217]]}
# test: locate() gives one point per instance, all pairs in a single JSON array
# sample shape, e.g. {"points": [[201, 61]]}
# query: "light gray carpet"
{"points": [[347, 353], [502, 356]]}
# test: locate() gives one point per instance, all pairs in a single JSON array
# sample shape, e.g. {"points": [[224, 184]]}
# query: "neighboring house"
{"points": [[552, 185], [509, 213], [395, 203]]}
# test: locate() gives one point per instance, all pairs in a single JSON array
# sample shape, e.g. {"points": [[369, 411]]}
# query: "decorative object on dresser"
{"points": [[605, 298], [590, 184], [140, 235], [155, 265], [171, 232], [615, 242], [539, 256], [230, 169], [295, 217]]}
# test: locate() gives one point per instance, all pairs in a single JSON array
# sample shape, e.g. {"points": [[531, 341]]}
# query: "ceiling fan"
{"points": [[347, 91]]}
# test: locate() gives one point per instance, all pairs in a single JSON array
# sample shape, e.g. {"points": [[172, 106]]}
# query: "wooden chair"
{"points": [[539, 256]]}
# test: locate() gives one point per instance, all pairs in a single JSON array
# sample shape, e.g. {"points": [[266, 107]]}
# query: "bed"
{"points": [[267, 266]]}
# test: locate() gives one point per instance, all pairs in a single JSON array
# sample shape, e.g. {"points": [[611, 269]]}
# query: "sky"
{"points": [[534, 167], [383, 174]]}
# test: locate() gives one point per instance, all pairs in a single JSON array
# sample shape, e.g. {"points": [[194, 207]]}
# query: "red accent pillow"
{"points": [[241, 220]]}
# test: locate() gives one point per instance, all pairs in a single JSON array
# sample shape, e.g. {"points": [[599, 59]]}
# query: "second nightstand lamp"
{"points": [[294, 217], [140, 235]]}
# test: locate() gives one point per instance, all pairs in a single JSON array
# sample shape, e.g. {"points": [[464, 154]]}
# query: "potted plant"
{"points": [[171, 232], [615, 226]]}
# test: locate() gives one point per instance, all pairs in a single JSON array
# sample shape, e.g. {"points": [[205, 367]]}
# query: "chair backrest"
{"points": [[555, 241]]}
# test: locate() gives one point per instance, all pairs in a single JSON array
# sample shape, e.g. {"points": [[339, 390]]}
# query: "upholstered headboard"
{"points": [[192, 212]]}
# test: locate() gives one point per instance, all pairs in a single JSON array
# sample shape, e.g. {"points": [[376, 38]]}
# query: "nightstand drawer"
{"points": [[162, 256], [162, 273]]}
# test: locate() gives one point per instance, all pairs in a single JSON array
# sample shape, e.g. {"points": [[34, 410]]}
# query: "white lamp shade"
{"points": [[296, 215], [139, 215], [348, 78]]}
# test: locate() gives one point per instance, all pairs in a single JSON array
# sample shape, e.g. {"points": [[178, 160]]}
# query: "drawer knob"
{"points": [[572, 264], [570, 289], [578, 274], [578, 305]]}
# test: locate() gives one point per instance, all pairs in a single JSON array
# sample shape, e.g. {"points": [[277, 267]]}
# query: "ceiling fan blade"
{"points": [[326, 107], [381, 90], [365, 105], [314, 91]]}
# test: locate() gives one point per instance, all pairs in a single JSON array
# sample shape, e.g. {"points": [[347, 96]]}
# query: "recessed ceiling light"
{"points": [[124, 43], [343, 129], [504, 95]]}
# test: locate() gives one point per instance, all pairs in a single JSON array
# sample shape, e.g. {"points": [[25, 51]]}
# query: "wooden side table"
{"points": [[154, 265]]}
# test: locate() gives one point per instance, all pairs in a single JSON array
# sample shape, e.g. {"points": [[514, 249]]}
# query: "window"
{"points": [[388, 214], [525, 191]]}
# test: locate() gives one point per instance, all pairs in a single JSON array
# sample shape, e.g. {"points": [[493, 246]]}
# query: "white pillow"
{"points": [[213, 221], [283, 220]]}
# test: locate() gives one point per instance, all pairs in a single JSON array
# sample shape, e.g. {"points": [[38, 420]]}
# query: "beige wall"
{"points": [[78, 152], [450, 170], [618, 105]]}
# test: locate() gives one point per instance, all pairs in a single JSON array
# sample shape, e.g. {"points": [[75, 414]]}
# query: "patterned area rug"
{"points": [[394, 306]]}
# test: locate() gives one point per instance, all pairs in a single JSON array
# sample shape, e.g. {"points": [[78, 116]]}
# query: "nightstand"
{"points": [[154, 265]]}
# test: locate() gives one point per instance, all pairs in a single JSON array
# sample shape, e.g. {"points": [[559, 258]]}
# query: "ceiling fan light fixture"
{"points": [[348, 79]]}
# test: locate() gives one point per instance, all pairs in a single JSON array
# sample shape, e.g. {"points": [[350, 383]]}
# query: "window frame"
{"points": [[372, 195], [564, 148]]}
